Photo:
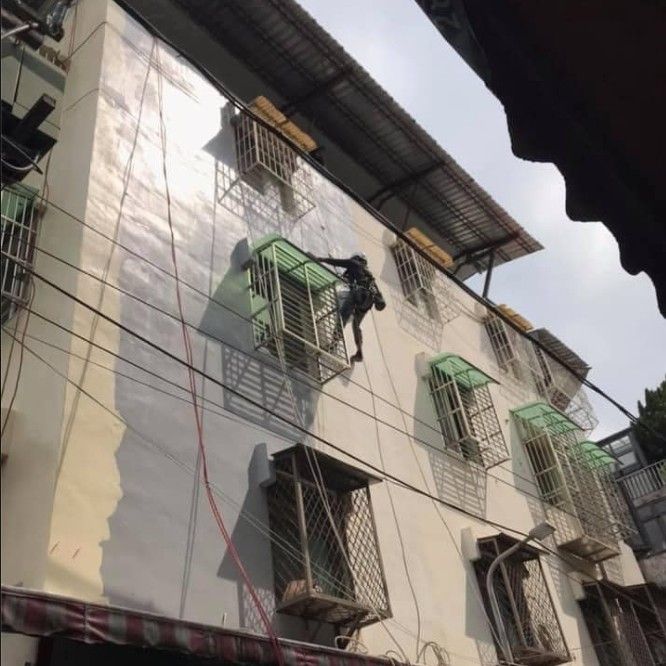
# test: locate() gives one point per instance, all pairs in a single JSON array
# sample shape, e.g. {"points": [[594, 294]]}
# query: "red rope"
{"points": [[197, 414]]}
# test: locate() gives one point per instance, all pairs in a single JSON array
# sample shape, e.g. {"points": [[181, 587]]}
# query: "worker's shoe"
{"points": [[357, 357]]}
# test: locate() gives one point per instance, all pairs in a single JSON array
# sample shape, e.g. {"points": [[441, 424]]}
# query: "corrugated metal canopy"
{"points": [[556, 347], [316, 77]]}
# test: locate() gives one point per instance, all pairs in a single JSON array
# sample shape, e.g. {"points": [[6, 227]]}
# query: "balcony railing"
{"points": [[645, 481]]}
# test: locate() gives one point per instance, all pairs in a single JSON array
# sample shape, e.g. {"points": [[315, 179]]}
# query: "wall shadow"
{"points": [[259, 391], [255, 549], [263, 211]]}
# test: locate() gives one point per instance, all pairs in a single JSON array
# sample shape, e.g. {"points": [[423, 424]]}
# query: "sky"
{"points": [[576, 287]]}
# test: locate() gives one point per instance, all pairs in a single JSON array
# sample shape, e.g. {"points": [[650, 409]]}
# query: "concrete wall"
{"points": [[123, 519]]}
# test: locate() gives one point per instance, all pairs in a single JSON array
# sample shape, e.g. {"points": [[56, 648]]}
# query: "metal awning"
{"points": [[545, 417], [294, 262], [41, 614], [317, 79], [558, 349], [464, 373], [593, 456]]}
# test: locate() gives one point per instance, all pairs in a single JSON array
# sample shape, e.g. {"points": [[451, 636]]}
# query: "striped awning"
{"points": [[45, 615]]}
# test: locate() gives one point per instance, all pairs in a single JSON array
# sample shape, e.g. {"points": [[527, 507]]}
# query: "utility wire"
{"points": [[438, 450], [231, 547], [387, 476], [247, 515], [320, 168]]}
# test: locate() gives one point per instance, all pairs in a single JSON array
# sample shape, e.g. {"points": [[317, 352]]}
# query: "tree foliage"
{"points": [[650, 430]]}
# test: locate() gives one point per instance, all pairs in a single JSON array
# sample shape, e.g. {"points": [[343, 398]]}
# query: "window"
{"points": [[465, 410], [319, 574], [503, 344], [19, 232], [295, 312], [417, 278], [268, 163], [526, 607], [624, 624], [575, 483]]}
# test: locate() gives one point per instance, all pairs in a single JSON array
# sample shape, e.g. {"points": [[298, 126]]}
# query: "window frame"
{"points": [[466, 414], [417, 279], [351, 586], [522, 627], [295, 318], [14, 279]]}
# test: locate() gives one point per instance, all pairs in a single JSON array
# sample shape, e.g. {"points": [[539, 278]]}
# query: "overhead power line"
{"points": [[365, 463], [320, 168], [382, 474]]}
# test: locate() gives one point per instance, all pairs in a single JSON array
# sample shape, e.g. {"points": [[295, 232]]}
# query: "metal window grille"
{"points": [[503, 343], [19, 232], [467, 418], [271, 166], [583, 503], [417, 278], [314, 578], [626, 624], [564, 393], [294, 316], [526, 607]]}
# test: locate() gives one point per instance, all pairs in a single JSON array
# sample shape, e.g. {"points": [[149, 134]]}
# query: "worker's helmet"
{"points": [[360, 257]]}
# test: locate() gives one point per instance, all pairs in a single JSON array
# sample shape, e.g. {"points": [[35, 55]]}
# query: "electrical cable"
{"points": [[184, 282], [277, 648], [20, 363], [477, 593], [246, 515], [127, 175], [397, 526], [320, 168], [318, 477], [387, 476], [12, 32], [437, 450]]}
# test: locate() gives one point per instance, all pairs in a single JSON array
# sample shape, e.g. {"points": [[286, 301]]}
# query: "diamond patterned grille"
{"points": [[526, 607], [314, 576], [626, 624]]}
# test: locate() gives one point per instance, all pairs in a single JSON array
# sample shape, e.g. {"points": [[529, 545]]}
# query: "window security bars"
{"points": [[560, 388], [295, 311], [526, 607], [19, 232], [417, 278], [581, 497], [465, 412], [314, 577], [525, 361], [271, 166], [503, 341], [626, 624]]}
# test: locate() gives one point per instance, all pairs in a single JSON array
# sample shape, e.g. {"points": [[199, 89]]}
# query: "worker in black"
{"points": [[363, 294]]}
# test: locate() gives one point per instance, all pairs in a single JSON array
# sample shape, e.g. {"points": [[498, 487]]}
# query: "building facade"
{"points": [[177, 370], [643, 483]]}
